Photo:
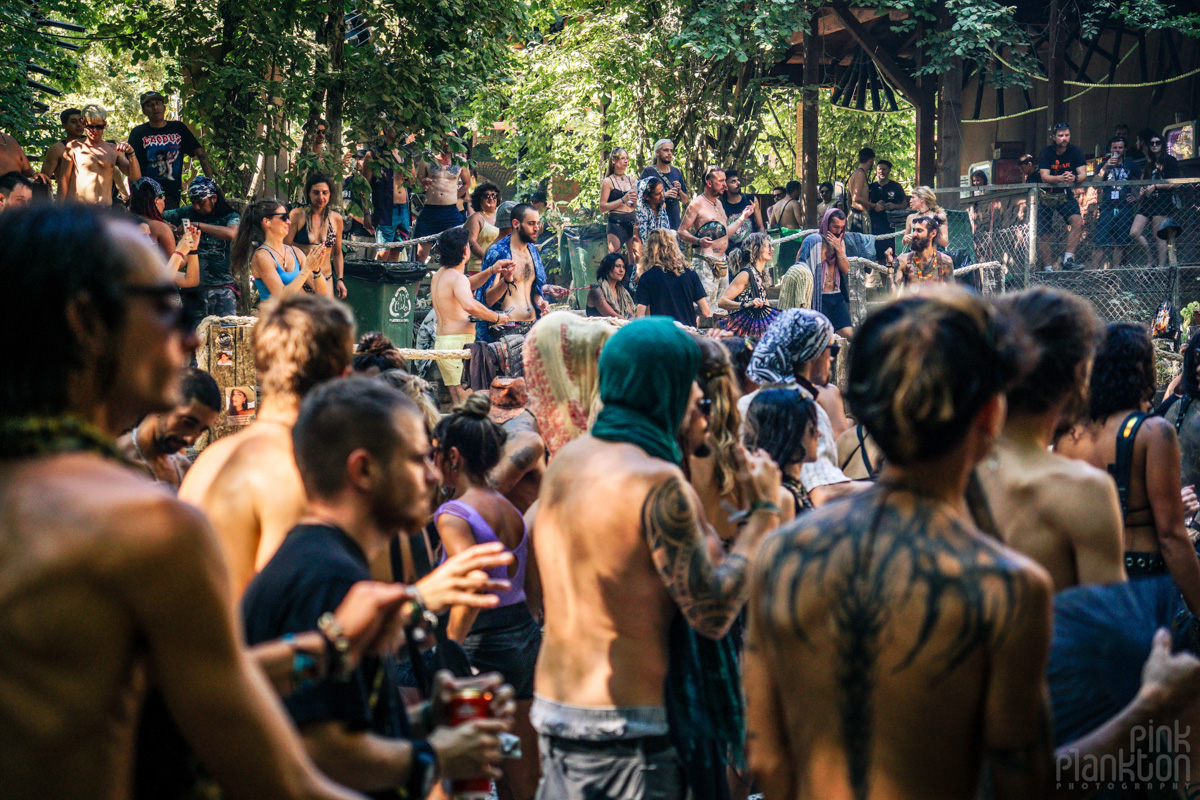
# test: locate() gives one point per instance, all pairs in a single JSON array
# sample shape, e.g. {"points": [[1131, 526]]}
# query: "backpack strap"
{"points": [[862, 445], [1122, 468], [1182, 405]]}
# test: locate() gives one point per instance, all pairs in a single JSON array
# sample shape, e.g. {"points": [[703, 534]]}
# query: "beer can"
{"points": [[469, 703]]}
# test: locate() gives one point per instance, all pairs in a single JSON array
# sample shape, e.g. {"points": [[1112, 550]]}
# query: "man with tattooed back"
{"points": [[894, 648], [621, 544]]}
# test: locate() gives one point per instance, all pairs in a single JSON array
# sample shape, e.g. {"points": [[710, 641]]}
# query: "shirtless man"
{"points": [[622, 546], [12, 158], [786, 212], [1060, 512], [56, 165], [924, 263], [709, 262], [93, 160], [156, 445], [519, 292], [442, 179], [895, 650], [454, 304], [248, 484], [109, 582], [859, 190]]}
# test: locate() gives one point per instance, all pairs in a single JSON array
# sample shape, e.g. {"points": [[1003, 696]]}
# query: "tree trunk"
{"points": [[335, 97], [806, 165]]}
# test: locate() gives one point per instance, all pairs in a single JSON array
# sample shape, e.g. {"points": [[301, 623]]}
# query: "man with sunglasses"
{"points": [[94, 161], [160, 145]]}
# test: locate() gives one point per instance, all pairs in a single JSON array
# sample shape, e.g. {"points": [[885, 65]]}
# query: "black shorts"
{"points": [[1159, 204], [1050, 204], [620, 228], [834, 307], [506, 640]]}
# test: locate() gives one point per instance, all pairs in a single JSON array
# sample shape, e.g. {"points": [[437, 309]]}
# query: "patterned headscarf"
{"points": [[647, 219], [201, 188], [153, 184], [561, 359], [797, 336]]}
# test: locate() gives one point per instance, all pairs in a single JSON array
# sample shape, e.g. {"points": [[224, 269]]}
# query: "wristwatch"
{"points": [[423, 772]]}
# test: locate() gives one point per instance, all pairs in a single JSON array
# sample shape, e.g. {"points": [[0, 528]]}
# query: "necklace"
{"points": [[137, 448], [33, 436]]}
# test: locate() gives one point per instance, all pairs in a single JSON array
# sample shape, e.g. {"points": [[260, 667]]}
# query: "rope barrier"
{"points": [[973, 267], [409, 242]]}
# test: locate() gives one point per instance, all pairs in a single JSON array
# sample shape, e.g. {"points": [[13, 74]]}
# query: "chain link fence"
{"points": [[1132, 244]]}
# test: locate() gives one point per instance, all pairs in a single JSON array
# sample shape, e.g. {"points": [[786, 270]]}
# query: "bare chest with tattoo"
{"points": [[889, 590]]}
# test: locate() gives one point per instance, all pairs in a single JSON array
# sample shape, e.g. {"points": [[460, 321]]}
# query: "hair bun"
{"points": [[477, 405]]}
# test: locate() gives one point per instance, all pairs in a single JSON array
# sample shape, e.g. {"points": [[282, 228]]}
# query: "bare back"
{"points": [[1060, 512], [249, 487], [92, 171], [605, 640], [893, 648], [12, 157]]}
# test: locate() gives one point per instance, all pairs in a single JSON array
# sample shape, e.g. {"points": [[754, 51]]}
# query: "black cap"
{"points": [[151, 95]]}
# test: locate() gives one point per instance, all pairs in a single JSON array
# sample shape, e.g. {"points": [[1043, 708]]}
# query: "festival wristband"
{"points": [[305, 670], [337, 646], [764, 505]]}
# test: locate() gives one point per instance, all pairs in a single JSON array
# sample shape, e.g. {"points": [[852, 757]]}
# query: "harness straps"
{"points": [[1182, 405], [1122, 468]]}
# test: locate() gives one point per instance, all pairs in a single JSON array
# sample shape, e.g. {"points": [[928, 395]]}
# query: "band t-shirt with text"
{"points": [[160, 153], [1069, 160]]}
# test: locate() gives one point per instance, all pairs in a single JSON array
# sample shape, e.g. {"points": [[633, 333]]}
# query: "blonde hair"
{"points": [[92, 111], [301, 341], [720, 385], [927, 194], [561, 359], [663, 251], [616, 153]]}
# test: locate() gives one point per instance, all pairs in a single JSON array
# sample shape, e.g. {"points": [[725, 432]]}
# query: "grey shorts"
{"points": [[624, 769]]}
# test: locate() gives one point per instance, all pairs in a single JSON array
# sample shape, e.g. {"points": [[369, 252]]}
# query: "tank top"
{"points": [[287, 277], [615, 194], [483, 534], [488, 234]]}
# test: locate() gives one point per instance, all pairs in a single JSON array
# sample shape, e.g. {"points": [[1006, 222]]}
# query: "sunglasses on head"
{"points": [[96, 127]]}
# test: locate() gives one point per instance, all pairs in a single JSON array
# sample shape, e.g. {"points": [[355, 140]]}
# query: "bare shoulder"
{"points": [[241, 461], [1157, 429]]}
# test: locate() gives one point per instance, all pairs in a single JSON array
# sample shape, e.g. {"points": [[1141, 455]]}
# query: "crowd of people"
{"points": [[672, 565], [668, 564]]}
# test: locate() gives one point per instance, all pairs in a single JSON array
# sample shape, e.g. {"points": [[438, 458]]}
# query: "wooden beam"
{"points": [[807, 168], [890, 69], [1081, 75], [1116, 57], [1055, 106], [950, 130]]}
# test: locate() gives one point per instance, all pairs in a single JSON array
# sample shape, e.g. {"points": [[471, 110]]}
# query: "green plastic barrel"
{"points": [[382, 295]]}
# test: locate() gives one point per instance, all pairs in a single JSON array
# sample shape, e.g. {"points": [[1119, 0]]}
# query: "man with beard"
{"points": [[247, 484], [924, 263], [516, 290], [673, 182], [709, 262], [1061, 512], [886, 195], [94, 161], [622, 547], [734, 202], [366, 464], [109, 583], [1061, 167], [156, 445], [858, 209]]}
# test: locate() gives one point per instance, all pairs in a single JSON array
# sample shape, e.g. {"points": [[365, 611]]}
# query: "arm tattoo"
{"points": [[709, 596], [524, 458], [873, 559]]}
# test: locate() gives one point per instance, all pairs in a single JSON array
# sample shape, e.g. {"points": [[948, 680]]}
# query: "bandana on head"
{"points": [[202, 187], [153, 184], [646, 375], [797, 336]]}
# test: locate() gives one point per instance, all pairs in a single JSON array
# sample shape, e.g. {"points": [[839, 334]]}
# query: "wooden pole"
{"points": [[1055, 68], [950, 130], [807, 166]]}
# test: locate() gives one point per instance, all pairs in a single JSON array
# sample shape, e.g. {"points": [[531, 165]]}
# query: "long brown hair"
{"points": [[249, 236], [719, 385], [663, 251]]}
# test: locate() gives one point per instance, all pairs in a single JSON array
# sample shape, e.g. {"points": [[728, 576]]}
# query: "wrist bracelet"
{"points": [[341, 279], [422, 773], [337, 646], [764, 505], [305, 671]]}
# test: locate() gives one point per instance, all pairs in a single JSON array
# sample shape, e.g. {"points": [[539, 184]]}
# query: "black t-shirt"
{"points": [[382, 191], [310, 574], [669, 295], [734, 209], [890, 192], [673, 174], [1116, 197], [1069, 161], [350, 196], [160, 153], [1168, 167]]}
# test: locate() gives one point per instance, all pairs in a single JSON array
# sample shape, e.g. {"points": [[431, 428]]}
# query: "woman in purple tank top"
{"points": [[506, 638]]}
